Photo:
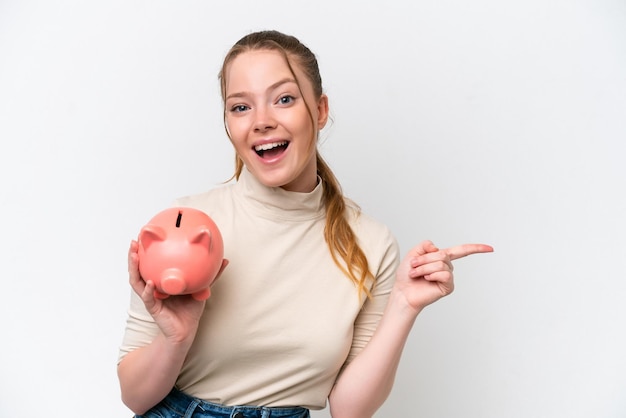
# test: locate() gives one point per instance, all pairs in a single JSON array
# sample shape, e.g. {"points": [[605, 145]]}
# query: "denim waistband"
{"points": [[178, 404]]}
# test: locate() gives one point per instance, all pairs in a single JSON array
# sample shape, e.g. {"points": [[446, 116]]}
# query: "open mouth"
{"points": [[271, 149]]}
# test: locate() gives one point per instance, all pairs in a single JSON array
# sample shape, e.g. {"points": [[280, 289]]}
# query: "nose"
{"points": [[264, 119]]}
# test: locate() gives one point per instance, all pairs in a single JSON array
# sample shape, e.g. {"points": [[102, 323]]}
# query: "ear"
{"points": [[322, 111], [203, 237], [150, 234]]}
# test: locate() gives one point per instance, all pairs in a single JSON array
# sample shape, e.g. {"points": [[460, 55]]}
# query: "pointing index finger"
{"points": [[464, 250]]}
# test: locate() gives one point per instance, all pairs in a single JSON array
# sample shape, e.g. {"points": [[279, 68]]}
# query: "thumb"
{"points": [[422, 248]]}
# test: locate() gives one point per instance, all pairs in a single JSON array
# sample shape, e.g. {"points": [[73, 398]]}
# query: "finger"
{"points": [[430, 268], [222, 267], [224, 264], [464, 250], [443, 279], [147, 296], [132, 253], [431, 258], [134, 277]]}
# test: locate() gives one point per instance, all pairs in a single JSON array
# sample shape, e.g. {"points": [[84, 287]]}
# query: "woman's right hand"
{"points": [[176, 316]]}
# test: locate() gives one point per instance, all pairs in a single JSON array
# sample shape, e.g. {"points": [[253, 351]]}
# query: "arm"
{"points": [[148, 373], [423, 277], [366, 382]]}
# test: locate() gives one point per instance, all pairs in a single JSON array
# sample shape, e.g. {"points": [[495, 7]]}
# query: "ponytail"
{"points": [[338, 233]]}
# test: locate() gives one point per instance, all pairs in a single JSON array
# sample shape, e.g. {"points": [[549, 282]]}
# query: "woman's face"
{"points": [[268, 120]]}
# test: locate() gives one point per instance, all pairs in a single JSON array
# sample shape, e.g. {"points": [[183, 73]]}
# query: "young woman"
{"points": [[313, 302]]}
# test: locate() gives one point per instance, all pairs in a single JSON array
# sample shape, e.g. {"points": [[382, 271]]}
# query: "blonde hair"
{"points": [[338, 234]]}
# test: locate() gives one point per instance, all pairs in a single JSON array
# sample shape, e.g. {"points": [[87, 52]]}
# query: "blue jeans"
{"points": [[180, 405]]}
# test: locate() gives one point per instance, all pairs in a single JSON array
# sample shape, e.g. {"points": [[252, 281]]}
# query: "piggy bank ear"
{"points": [[203, 237], [150, 234]]}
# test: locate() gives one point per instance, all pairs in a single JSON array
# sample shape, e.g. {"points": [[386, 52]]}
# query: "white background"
{"points": [[455, 121]]}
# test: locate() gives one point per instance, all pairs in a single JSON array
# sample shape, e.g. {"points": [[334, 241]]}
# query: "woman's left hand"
{"points": [[426, 273]]}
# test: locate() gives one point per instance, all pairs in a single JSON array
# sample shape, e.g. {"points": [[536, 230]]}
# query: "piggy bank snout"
{"points": [[173, 281]]}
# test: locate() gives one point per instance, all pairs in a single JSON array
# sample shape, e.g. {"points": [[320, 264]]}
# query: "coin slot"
{"points": [[178, 219]]}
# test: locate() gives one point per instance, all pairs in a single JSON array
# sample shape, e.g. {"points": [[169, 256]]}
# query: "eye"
{"points": [[239, 108], [287, 99]]}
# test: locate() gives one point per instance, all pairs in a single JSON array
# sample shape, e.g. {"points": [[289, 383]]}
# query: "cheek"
{"points": [[236, 130], [308, 133], [301, 125]]}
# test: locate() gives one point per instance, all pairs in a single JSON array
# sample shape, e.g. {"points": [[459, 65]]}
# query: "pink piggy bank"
{"points": [[181, 252]]}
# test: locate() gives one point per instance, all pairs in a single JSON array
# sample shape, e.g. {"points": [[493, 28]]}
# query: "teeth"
{"points": [[270, 145]]}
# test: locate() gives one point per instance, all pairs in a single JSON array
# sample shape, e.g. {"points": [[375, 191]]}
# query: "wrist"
{"points": [[175, 348], [399, 303]]}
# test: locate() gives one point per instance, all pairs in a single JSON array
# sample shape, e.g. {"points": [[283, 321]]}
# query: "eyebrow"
{"points": [[270, 88]]}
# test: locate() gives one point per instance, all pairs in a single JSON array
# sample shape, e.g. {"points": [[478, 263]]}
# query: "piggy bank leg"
{"points": [[160, 295], [202, 294]]}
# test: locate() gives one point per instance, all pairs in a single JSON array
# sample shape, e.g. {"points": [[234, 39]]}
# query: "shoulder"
{"points": [[365, 225], [209, 201], [374, 237]]}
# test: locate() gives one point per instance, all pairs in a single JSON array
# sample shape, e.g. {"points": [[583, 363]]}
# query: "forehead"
{"points": [[259, 69], [260, 56]]}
